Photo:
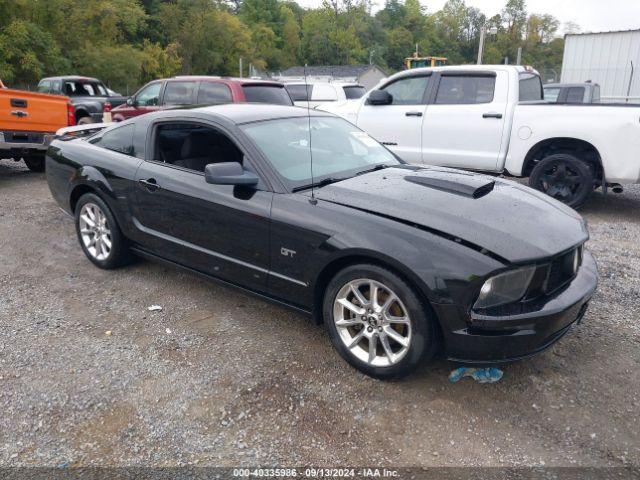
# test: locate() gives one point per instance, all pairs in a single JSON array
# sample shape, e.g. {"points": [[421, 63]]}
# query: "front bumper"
{"points": [[493, 340]]}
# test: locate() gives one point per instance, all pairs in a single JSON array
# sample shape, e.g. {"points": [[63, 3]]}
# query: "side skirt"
{"points": [[155, 258]]}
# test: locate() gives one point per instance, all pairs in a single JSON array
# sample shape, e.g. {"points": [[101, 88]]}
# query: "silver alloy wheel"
{"points": [[95, 231], [372, 322]]}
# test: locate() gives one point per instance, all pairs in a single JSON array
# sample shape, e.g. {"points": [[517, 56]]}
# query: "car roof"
{"points": [[337, 84], [239, 113], [239, 81], [460, 68], [73, 77], [569, 85]]}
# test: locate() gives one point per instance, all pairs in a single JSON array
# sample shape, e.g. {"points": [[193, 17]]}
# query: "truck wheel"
{"points": [[563, 177], [35, 163], [84, 120]]}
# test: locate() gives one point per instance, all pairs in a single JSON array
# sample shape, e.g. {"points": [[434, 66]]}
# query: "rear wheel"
{"points": [[565, 178], [377, 322], [99, 235], [35, 163]]}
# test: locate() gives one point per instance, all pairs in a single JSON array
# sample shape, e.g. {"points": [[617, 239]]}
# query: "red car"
{"points": [[191, 90]]}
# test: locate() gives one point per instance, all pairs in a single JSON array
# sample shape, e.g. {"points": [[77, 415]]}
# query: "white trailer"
{"points": [[611, 59]]}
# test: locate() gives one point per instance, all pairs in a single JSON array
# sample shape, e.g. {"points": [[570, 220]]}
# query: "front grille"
{"points": [[563, 269]]}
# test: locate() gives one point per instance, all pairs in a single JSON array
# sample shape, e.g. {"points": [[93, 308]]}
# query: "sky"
{"points": [[591, 15]]}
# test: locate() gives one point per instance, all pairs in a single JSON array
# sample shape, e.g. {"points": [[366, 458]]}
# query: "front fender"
{"points": [[442, 270]]}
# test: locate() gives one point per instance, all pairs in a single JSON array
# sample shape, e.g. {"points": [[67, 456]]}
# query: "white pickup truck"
{"points": [[492, 118]]}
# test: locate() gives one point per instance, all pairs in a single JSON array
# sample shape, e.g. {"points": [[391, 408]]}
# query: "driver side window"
{"points": [[408, 91], [150, 95], [193, 146]]}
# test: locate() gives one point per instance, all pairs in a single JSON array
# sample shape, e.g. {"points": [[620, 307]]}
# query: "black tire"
{"points": [[119, 253], [84, 120], [35, 163], [424, 333], [565, 178]]}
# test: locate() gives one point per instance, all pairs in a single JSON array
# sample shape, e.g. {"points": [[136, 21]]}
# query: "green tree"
{"points": [[27, 53]]}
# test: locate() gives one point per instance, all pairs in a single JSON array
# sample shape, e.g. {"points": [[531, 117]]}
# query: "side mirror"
{"points": [[131, 101], [229, 173], [380, 97]]}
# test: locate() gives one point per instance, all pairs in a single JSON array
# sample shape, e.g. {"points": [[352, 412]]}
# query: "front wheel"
{"points": [[565, 178], [377, 322], [99, 234]]}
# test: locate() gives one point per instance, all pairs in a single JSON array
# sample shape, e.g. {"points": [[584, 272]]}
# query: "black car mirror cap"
{"points": [[229, 173], [380, 97]]}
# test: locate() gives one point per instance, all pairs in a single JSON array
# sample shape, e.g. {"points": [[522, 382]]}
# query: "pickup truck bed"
{"points": [[27, 123]]}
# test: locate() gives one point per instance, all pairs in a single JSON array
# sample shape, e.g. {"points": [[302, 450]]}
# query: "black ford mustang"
{"points": [[399, 261]]}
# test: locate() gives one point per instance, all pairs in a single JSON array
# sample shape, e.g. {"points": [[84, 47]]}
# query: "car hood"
{"points": [[509, 220]]}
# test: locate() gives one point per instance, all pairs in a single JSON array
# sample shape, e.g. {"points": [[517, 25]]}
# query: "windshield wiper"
{"points": [[321, 183], [382, 166]]}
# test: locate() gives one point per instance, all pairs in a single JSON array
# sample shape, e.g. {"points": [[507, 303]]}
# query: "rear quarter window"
{"points": [[267, 94], [117, 140]]}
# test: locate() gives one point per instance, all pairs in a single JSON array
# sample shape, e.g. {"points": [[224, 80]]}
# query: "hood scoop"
{"points": [[458, 183]]}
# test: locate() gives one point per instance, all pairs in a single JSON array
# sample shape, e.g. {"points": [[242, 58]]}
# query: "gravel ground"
{"points": [[221, 378]]}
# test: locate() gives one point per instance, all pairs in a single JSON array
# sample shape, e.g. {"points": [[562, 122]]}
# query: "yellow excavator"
{"points": [[416, 61]]}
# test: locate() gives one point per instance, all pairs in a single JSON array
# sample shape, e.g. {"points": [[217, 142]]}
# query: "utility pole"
{"points": [[519, 61], [483, 32], [240, 65]]}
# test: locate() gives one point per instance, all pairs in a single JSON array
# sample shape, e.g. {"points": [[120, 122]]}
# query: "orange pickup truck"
{"points": [[27, 124]]}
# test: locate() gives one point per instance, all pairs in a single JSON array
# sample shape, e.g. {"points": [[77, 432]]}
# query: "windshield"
{"points": [[354, 92], [267, 94], [340, 150]]}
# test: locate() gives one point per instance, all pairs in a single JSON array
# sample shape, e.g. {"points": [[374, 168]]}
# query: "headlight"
{"points": [[505, 288]]}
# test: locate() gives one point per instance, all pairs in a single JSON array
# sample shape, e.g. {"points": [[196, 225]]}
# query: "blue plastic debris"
{"points": [[480, 375]]}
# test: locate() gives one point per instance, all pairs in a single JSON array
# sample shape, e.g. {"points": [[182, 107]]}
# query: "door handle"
{"points": [[492, 115], [19, 113], [150, 184], [413, 114]]}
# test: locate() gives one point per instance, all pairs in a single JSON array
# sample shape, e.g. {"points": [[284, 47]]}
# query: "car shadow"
{"points": [[623, 206]]}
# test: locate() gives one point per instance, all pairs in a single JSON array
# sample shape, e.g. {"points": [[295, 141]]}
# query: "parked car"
{"points": [[318, 93], [28, 121], [89, 96], [398, 261], [494, 119], [192, 90], [572, 92]]}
